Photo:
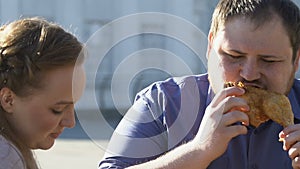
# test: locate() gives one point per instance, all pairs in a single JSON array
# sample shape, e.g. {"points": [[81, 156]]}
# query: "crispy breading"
{"points": [[265, 105]]}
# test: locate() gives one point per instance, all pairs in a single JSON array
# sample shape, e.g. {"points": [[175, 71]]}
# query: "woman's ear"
{"points": [[7, 99]]}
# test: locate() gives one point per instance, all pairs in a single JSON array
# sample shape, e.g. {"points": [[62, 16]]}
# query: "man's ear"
{"points": [[297, 60], [7, 97], [210, 43]]}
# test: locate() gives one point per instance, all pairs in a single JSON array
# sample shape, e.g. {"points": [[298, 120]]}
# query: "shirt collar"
{"points": [[294, 103], [210, 95]]}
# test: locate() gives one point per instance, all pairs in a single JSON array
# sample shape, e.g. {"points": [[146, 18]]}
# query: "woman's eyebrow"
{"points": [[64, 102]]}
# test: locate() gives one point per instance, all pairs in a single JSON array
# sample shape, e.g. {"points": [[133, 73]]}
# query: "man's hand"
{"points": [[218, 127], [291, 143], [219, 124]]}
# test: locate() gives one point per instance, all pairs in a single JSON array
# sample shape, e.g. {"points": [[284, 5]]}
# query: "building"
{"points": [[132, 43]]}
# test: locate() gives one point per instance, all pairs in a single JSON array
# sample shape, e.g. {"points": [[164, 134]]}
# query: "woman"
{"points": [[37, 64]]}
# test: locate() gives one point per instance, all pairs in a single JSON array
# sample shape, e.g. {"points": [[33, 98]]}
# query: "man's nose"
{"points": [[250, 69]]}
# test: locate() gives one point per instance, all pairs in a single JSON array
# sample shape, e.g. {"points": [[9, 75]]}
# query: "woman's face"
{"points": [[40, 118]]}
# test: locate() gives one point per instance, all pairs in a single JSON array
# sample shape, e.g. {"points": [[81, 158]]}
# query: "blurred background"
{"points": [[75, 148]]}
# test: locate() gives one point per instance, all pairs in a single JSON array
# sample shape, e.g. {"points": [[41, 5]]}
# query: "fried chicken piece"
{"points": [[265, 105]]}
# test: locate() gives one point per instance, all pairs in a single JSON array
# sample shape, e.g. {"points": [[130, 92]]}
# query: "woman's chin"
{"points": [[44, 145]]}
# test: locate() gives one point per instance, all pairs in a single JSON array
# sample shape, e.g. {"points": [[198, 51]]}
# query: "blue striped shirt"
{"points": [[168, 113]]}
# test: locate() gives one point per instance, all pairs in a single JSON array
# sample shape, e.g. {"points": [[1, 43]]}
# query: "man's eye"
{"points": [[269, 61], [272, 60], [233, 56]]}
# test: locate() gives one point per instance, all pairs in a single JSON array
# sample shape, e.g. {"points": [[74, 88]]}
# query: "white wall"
{"points": [[86, 17]]}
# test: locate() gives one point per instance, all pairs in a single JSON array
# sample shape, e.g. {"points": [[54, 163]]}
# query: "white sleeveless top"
{"points": [[10, 156]]}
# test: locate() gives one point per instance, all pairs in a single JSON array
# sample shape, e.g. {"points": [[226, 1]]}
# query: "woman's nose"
{"points": [[68, 119]]}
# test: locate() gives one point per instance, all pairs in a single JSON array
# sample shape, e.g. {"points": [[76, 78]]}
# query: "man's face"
{"points": [[261, 57]]}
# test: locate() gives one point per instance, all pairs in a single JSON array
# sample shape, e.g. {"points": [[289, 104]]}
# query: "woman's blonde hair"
{"points": [[28, 48]]}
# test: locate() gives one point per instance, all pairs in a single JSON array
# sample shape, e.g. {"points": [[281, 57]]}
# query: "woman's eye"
{"points": [[56, 111]]}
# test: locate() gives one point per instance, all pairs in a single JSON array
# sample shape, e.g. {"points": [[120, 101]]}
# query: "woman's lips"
{"points": [[55, 135]]}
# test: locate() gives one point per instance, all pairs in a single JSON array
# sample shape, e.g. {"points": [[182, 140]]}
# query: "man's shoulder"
{"points": [[296, 86], [177, 83], [184, 80], [297, 83], [172, 87]]}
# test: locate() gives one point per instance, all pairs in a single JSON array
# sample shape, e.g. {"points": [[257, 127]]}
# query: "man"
{"points": [[193, 122]]}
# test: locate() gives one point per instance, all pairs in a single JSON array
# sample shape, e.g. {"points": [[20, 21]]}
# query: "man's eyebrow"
{"points": [[64, 102], [269, 56], [262, 55], [237, 51]]}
